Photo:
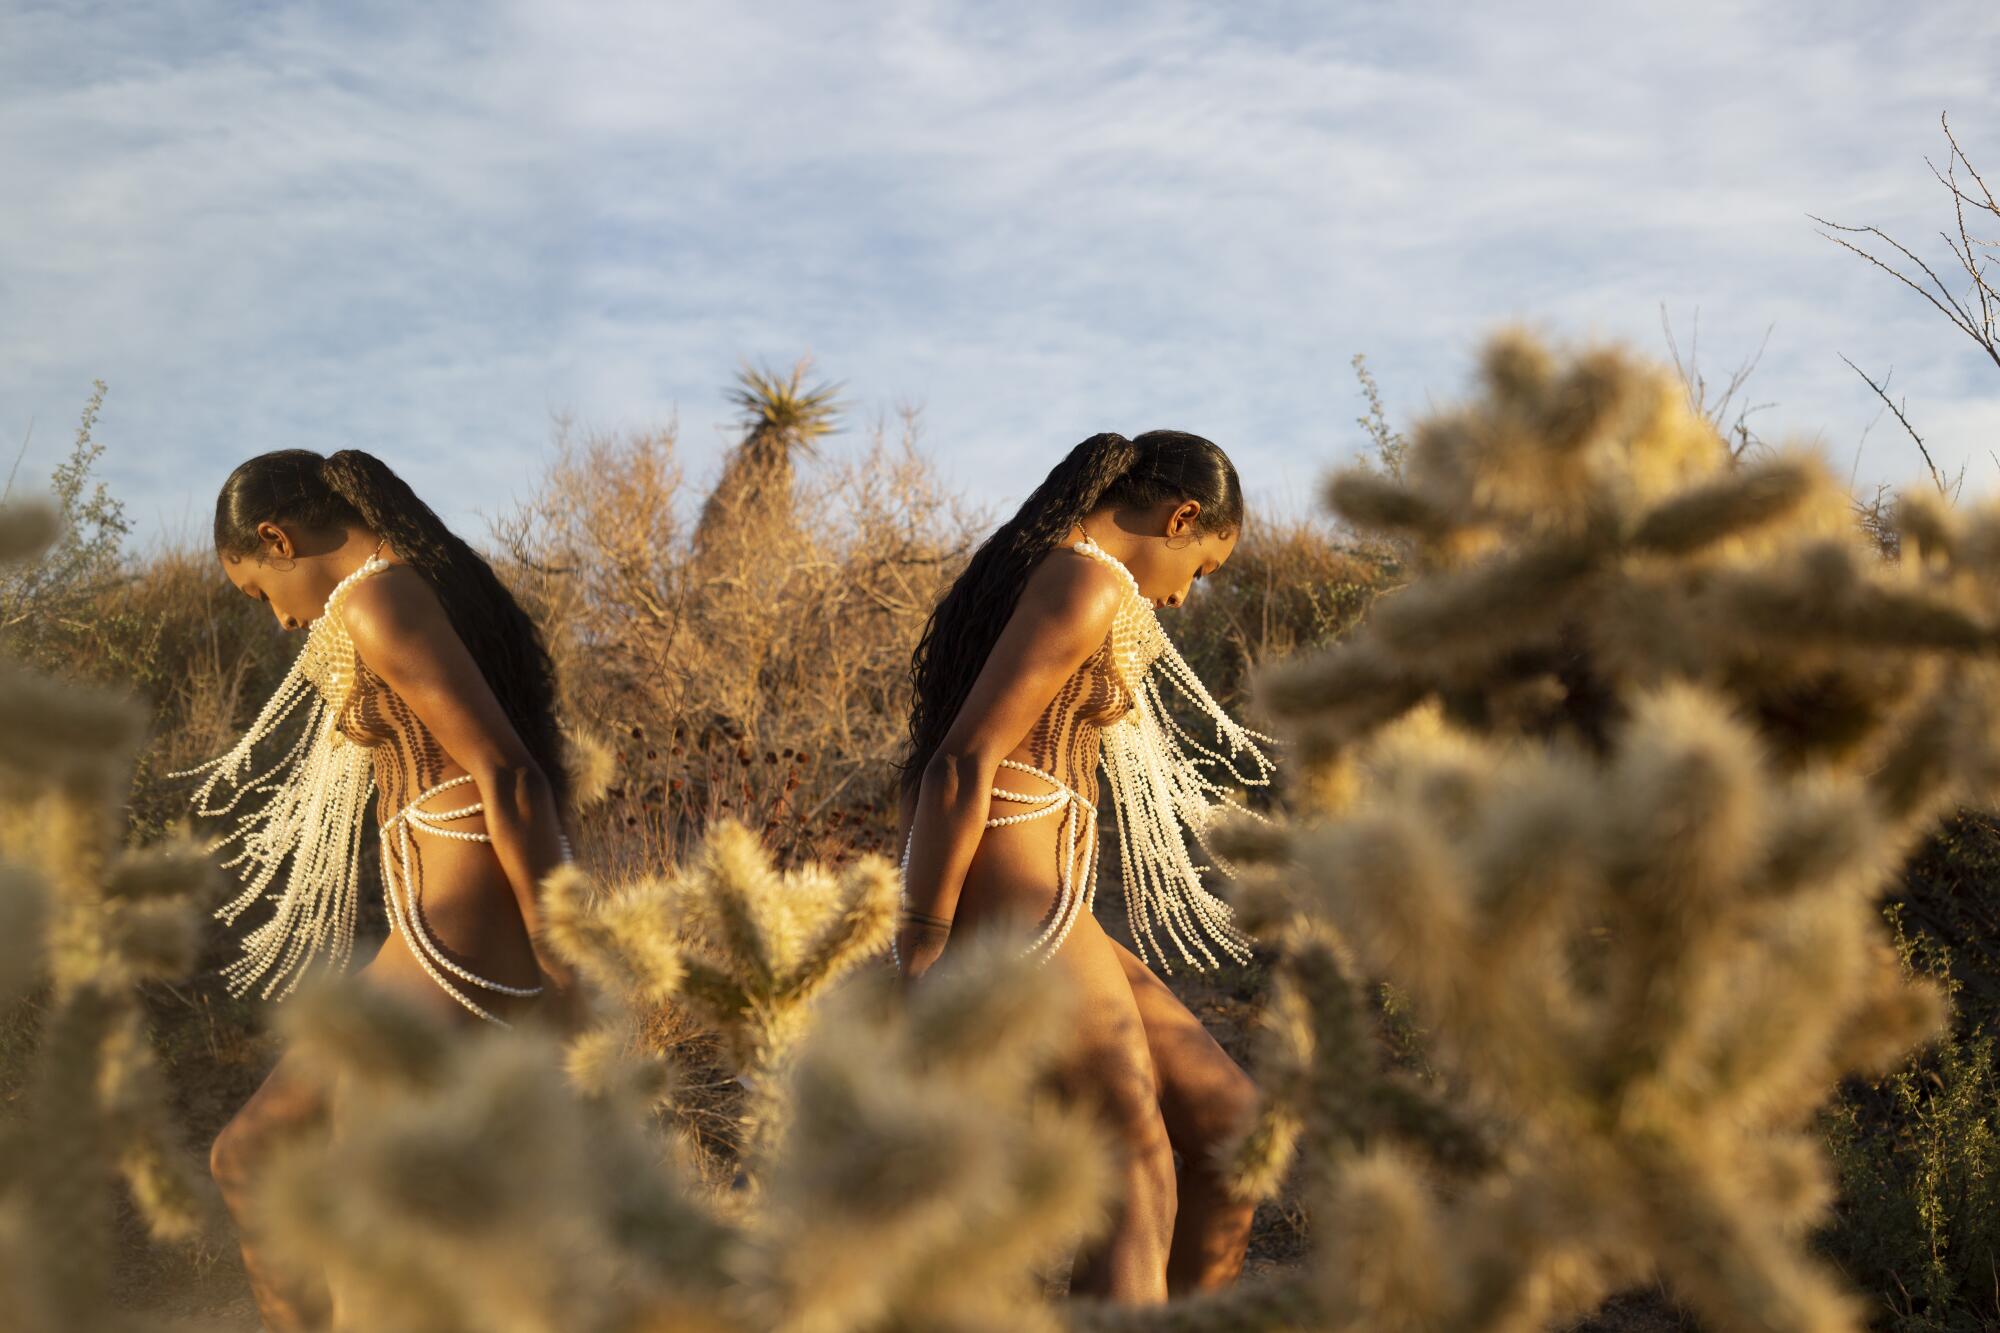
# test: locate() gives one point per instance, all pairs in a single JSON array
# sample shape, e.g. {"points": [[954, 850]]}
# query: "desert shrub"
{"points": [[1918, 1152], [45, 602]]}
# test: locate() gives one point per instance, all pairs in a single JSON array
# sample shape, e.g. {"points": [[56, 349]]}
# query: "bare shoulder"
{"points": [[391, 606], [1071, 587]]}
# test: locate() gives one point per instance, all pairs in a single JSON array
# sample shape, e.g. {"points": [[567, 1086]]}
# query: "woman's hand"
{"points": [[918, 945], [565, 1002]]}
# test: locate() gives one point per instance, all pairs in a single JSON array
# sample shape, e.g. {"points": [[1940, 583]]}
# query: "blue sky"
{"points": [[424, 229]]}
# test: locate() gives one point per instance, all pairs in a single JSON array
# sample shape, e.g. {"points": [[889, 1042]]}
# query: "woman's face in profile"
{"points": [[294, 587], [1176, 553]]}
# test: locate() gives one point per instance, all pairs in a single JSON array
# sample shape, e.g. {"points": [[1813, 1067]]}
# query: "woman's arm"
{"points": [[1063, 616], [401, 631]]}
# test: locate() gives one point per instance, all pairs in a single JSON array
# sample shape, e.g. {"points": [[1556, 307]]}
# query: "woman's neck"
{"points": [[1109, 537], [353, 552]]}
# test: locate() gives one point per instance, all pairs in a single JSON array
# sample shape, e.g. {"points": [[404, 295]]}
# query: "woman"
{"points": [[423, 679], [1043, 658]]}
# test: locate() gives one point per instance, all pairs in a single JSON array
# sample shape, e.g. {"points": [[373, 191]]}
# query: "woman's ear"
{"points": [[1181, 522], [275, 541]]}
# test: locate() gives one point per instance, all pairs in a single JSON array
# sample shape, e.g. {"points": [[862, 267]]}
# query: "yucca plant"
{"points": [[783, 417]]}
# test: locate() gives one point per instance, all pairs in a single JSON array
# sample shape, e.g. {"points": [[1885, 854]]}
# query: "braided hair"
{"points": [[1105, 470], [351, 487]]}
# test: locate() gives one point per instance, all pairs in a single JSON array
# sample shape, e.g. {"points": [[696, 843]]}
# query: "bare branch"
{"points": [[1949, 307], [1990, 204], [1937, 478], [1981, 324], [15, 471], [1695, 385]]}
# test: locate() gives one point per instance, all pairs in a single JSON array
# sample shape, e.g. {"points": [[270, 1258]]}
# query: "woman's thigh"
{"points": [[1204, 1093], [1110, 1061], [291, 1099]]}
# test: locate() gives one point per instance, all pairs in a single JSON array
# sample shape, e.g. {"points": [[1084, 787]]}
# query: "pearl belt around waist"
{"points": [[1070, 903], [404, 916]]}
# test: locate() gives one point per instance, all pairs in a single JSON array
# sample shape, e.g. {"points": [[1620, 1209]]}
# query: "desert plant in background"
{"points": [[752, 500], [1975, 313], [789, 721], [919, 1176], [1390, 445], [1609, 790], [48, 598], [83, 923], [748, 518], [1918, 1156]]}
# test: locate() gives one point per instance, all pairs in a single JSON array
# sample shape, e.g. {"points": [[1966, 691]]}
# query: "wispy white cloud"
{"points": [[422, 229]]}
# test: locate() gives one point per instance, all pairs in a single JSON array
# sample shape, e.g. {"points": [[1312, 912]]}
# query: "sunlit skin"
{"points": [[478, 898], [1161, 1082]]}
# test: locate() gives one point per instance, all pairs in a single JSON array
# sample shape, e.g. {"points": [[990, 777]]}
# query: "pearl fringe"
{"points": [[1158, 787]]}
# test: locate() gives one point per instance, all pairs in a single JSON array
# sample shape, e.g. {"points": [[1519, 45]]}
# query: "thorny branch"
{"points": [[1949, 493]]}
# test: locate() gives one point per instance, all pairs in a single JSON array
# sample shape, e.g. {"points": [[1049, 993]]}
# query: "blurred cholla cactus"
{"points": [[472, 1188], [91, 922], [921, 1182], [746, 948], [591, 765], [1607, 791], [926, 1176]]}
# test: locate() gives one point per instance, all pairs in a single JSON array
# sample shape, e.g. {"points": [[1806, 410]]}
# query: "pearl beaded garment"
{"points": [[1113, 711], [359, 736]]}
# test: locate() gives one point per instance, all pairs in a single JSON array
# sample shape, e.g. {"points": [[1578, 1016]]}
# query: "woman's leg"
{"points": [[288, 1102], [1111, 1069], [1205, 1097]]}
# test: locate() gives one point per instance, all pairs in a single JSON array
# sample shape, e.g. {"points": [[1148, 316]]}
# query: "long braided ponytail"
{"points": [[1104, 469], [354, 487]]}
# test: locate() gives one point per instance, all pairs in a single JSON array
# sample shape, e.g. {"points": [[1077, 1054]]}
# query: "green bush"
{"points": [[1918, 1152]]}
